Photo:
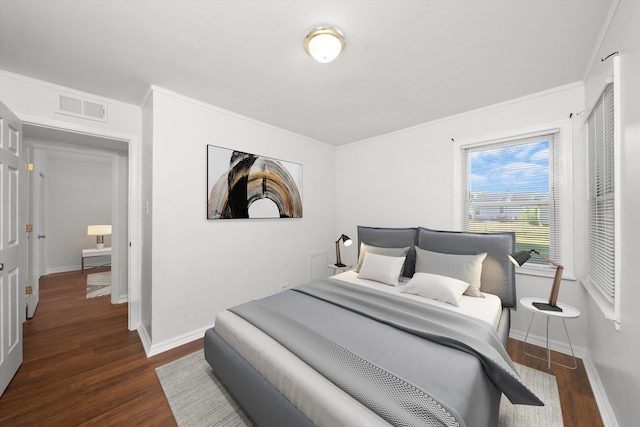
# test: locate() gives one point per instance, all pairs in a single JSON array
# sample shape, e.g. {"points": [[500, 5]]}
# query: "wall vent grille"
{"points": [[79, 107]]}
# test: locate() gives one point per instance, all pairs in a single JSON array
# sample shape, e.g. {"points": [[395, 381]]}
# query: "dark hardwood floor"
{"points": [[83, 367], [579, 407]]}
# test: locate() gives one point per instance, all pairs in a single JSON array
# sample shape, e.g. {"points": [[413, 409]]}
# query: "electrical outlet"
{"points": [[284, 286]]}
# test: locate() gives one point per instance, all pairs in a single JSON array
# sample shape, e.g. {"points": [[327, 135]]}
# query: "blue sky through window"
{"points": [[522, 168]]}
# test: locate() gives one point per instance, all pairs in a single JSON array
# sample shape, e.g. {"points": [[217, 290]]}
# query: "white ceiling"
{"points": [[405, 62]]}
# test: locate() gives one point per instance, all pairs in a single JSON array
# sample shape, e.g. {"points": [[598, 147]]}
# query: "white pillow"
{"points": [[381, 268], [364, 249], [467, 268], [438, 287]]}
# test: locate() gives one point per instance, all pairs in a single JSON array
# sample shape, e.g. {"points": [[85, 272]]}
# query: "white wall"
{"points": [[199, 266], [406, 179], [616, 353], [79, 194]]}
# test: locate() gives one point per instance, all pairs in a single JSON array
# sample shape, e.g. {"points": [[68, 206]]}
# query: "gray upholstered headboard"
{"points": [[498, 273]]}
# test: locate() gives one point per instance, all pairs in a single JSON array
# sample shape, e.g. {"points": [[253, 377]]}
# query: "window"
{"points": [[601, 220], [513, 184]]}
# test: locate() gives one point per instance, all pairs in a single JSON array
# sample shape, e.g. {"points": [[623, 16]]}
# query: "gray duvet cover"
{"points": [[411, 364]]}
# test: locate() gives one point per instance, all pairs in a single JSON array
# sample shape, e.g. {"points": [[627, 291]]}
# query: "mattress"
{"points": [[317, 398], [488, 309]]}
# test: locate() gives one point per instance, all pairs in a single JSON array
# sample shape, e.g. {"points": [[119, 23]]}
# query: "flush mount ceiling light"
{"points": [[324, 43]]}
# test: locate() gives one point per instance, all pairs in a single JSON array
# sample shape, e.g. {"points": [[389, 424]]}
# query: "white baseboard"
{"points": [[606, 412], [63, 269], [559, 346], [72, 268], [144, 338], [175, 342]]}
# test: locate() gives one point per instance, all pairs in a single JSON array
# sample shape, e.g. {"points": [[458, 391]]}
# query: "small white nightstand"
{"points": [[567, 312], [90, 253], [337, 269]]}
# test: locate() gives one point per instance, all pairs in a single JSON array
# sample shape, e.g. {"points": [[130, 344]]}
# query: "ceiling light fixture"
{"points": [[324, 44]]}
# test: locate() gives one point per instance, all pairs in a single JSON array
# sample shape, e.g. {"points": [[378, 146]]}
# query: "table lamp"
{"points": [[521, 257], [99, 231], [347, 242]]}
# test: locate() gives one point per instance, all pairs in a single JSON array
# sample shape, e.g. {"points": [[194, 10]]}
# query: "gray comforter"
{"points": [[411, 363]]}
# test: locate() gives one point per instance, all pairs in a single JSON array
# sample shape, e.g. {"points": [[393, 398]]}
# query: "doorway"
{"points": [[117, 150]]}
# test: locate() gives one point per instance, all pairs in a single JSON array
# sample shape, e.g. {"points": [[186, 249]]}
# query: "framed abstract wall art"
{"points": [[244, 185]]}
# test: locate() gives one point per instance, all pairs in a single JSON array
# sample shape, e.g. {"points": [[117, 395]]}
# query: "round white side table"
{"points": [[568, 312], [337, 269]]}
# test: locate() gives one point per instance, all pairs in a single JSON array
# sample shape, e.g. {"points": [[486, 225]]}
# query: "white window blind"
{"points": [[601, 195], [514, 185]]}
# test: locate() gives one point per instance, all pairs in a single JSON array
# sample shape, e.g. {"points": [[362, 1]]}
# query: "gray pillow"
{"points": [[467, 268], [498, 273], [394, 252]]}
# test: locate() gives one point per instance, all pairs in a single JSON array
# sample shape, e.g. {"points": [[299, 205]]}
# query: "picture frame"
{"points": [[243, 185]]}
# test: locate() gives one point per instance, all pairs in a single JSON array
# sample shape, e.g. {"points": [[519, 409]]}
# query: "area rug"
{"points": [[198, 398], [98, 284], [546, 388]]}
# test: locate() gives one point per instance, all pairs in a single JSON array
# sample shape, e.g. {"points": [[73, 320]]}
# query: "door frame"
{"points": [[134, 212], [39, 253]]}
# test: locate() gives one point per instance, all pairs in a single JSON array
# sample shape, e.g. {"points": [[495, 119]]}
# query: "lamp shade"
{"points": [[98, 230], [520, 257], [346, 240], [324, 44]]}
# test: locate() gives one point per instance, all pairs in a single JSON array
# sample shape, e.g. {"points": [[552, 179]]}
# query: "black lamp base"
{"points": [[546, 306], [339, 264]]}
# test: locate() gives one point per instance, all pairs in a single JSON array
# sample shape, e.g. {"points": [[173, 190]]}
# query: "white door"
{"points": [[36, 241], [12, 258]]}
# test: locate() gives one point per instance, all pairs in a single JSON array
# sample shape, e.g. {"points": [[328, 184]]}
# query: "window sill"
{"points": [[606, 307], [544, 271]]}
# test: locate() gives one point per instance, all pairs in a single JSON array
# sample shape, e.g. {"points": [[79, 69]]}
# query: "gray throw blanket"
{"points": [[393, 398]]}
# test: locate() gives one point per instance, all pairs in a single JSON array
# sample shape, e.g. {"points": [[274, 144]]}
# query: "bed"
{"points": [[399, 340]]}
